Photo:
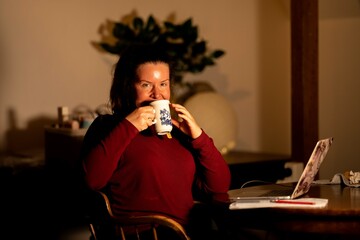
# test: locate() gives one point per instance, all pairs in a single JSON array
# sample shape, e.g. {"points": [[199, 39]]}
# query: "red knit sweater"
{"points": [[146, 173]]}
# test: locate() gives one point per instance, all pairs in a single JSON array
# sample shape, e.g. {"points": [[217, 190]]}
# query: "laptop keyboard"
{"points": [[278, 192]]}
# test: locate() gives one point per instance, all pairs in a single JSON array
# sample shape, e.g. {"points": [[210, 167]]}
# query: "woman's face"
{"points": [[153, 84]]}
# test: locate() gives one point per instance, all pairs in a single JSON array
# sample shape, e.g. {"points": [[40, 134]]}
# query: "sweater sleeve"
{"points": [[104, 146], [212, 171]]}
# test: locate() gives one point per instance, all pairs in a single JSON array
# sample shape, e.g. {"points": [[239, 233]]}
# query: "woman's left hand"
{"points": [[186, 123]]}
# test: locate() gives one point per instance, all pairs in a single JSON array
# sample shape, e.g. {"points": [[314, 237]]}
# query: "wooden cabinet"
{"points": [[62, 147], [255, 166]]}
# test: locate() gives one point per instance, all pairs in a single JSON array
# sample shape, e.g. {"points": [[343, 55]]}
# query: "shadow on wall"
{"points": [[21, 141]]}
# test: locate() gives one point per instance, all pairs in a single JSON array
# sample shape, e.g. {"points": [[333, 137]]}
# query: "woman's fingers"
{"points": [[186, 122], [142, 117]]}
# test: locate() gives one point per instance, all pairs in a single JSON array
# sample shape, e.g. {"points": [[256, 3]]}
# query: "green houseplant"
{"points": [[181, 41]]}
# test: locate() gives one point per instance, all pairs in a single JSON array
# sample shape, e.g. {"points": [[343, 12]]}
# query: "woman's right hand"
{"points": [[142, 117]]}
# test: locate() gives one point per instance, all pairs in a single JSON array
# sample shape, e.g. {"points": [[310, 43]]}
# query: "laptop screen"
{"points": [[312, 167]]}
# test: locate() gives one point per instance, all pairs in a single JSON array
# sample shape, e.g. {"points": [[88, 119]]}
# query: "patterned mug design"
{"points": [[165, 117], [163, 124]]}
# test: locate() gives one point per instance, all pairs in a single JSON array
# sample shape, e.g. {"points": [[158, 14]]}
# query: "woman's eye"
{"points": [[145, 85], [164, 84]]}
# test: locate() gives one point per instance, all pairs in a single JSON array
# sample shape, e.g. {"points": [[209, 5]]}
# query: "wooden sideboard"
{"points": [[248, 166], [62, 147]]}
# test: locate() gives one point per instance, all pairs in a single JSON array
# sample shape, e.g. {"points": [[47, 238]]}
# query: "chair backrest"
{"points": [[104, 225]]}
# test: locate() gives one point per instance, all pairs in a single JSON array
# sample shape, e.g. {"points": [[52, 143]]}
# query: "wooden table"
{"points": [[341, 216]]}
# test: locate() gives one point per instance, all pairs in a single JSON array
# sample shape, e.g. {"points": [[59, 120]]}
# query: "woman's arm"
{"points": [[104, 143], [213, 174]]}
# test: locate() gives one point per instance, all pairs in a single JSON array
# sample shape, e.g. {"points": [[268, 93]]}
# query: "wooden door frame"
{"points": [[304, 78]]}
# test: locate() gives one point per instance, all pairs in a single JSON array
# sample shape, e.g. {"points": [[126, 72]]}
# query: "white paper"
{"points": [[294, 203]]}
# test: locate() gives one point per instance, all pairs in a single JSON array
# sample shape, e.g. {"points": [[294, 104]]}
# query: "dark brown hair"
{"points": [[122, 92]]}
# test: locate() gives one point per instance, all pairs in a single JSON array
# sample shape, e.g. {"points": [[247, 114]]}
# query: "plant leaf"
{"points": [[198, 48], [122, 31], [138, 24], [217, 53]]}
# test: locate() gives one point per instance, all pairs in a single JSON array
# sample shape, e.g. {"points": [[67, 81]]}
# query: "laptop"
{"points": [[283, 191]]}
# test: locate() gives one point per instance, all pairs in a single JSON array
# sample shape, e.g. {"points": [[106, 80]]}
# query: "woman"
{"points": [[143, 172]]}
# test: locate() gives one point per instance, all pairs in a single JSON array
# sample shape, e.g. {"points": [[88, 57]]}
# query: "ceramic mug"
{"points": [[162, 120]]}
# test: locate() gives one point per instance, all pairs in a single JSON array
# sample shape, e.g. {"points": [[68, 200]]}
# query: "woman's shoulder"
{"points": [[100, 128], [106, 119], [103, 123]]}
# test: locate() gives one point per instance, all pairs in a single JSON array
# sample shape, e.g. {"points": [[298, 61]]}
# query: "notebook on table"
{"points": [[280, 191]]}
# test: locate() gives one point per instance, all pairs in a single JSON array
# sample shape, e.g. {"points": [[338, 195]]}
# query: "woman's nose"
{"points": [[156, 93]]}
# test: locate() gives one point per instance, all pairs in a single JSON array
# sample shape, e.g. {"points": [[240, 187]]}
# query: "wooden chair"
{"points": [[104, 225]]}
